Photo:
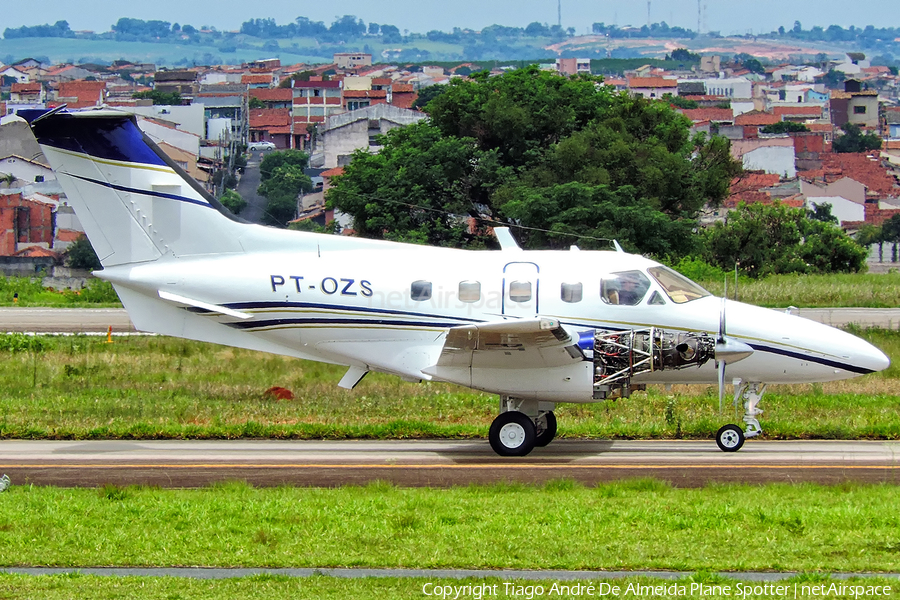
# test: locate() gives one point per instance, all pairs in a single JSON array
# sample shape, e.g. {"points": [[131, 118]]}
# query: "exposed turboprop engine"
{"points": [[620, 355]]}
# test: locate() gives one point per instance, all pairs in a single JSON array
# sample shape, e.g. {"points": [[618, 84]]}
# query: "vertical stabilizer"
{"points": [[135, 204]]}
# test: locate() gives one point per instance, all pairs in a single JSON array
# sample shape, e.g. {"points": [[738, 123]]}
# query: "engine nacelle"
{"points": [[620, 355]]}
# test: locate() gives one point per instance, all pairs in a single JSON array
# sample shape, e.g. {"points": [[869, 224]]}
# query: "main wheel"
{"points": [[512, 434], [549, 432], [730, 438]]}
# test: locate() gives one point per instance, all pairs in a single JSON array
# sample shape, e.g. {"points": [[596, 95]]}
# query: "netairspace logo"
{"points": [[481, 591]]}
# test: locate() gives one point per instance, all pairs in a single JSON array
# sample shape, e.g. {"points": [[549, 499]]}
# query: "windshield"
{"points": [[678, 287]]}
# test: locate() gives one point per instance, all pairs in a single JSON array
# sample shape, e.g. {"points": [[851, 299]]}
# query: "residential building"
{"points": [[24, 223], [81, 94], [652, 87], [351, 60], [26, 93], [271, 125], [273, 97], [854, 105], [182, 82], [349, 131], [573, 66]]}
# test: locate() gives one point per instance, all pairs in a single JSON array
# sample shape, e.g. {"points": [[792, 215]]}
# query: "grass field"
{"points": [[158, 387], [814, 291], [327, 588], [561, 525]]}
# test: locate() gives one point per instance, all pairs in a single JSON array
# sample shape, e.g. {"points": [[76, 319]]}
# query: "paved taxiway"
{"points": [[97, 320], [189, 463]]}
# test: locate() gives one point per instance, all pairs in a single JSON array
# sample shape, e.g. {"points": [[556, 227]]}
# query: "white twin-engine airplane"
{"points": [[535, 327]]}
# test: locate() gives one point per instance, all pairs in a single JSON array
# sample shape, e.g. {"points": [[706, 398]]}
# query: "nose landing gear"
{"points": [[730, 438]]}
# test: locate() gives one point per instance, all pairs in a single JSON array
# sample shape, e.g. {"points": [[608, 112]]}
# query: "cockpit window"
{"points": [[627, 288], [678, 287]]}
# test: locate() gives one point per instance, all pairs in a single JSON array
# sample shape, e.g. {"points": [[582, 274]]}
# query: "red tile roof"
{"points": [[332, 172], [399, 88], [68, 235], [25, 88], [810, 111], [381, 81], [272, 94], [37, 252], [264, 118], [651, 82], [404, 99], [756, 118], [267, 79], [867, 170], [751, 182], [708, 114], [365, 93]]}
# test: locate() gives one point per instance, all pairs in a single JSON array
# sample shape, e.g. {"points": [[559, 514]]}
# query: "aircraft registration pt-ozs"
{"points": [[535, 327]]}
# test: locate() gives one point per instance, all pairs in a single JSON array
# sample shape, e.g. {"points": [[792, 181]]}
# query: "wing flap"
{"points": [[521, 344]]}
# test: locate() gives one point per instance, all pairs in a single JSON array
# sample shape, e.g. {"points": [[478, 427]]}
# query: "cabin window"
{"points": [[571, 292], [627, 288], [656, 298], [520, 291], [420, 290], [679, 288], [469, 291]]}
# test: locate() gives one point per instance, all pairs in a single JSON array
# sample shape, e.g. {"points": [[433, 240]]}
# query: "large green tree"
{"points": [[854, 140], [766, 239], [503, 150]]}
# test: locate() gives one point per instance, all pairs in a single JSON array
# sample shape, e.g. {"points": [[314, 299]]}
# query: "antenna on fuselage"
{"points": [[507, 241], [617, 246]]}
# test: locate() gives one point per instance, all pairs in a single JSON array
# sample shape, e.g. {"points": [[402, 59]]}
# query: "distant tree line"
{"points": [[656, 30]]}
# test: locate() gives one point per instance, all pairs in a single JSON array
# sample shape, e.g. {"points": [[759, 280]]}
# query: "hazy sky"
{"points": [[727, 16]]}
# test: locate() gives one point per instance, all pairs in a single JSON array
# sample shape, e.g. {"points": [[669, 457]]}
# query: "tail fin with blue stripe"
{"points": [[135, 203]]}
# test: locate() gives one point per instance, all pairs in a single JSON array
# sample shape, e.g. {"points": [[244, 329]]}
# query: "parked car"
{"points": [[260, 146]]}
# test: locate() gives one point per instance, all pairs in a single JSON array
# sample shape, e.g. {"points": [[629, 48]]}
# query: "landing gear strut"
{"points": [[521, 426], [730, 438]]}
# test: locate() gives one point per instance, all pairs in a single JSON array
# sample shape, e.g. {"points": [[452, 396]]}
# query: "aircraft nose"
{"points": [[875, 359]]}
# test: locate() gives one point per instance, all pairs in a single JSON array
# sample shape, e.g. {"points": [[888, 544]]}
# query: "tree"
{"points": [[81, 255], [160, 97], [822, 212], [421, 188], [281, 188], [256, 102], [504, 149], [773, 238], [273, 160], [233, 202], [520, 112], [890, 232], [427, 94], [685, 55], [854, 140], [870, 234], [784, 127]]}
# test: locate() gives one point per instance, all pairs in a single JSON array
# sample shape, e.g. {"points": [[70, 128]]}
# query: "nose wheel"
{"points": [[730, 438]]}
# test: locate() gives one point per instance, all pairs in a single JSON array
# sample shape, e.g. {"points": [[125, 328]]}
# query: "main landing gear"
{"points": [[522, 425], [730, 438]]}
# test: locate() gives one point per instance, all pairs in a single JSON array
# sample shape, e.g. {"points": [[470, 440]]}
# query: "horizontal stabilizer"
{"points": [[204, 305]]}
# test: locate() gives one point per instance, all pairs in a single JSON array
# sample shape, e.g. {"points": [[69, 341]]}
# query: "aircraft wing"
{"points": [[538, 343]]}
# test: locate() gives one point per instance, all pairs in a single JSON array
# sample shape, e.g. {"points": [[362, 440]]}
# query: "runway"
{"points": [[98, 320], [188, 463]]}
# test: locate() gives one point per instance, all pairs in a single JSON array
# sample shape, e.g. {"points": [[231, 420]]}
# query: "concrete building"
{"points": [[854, 105], [346, 132], [573, 66], [773, 155], [351, 60], [652, 87]]}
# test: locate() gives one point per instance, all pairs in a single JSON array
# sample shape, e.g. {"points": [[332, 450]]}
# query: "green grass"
{"points": [[27, 291], [562, 525], [156, 387], [814, 291], [325, 588]]}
